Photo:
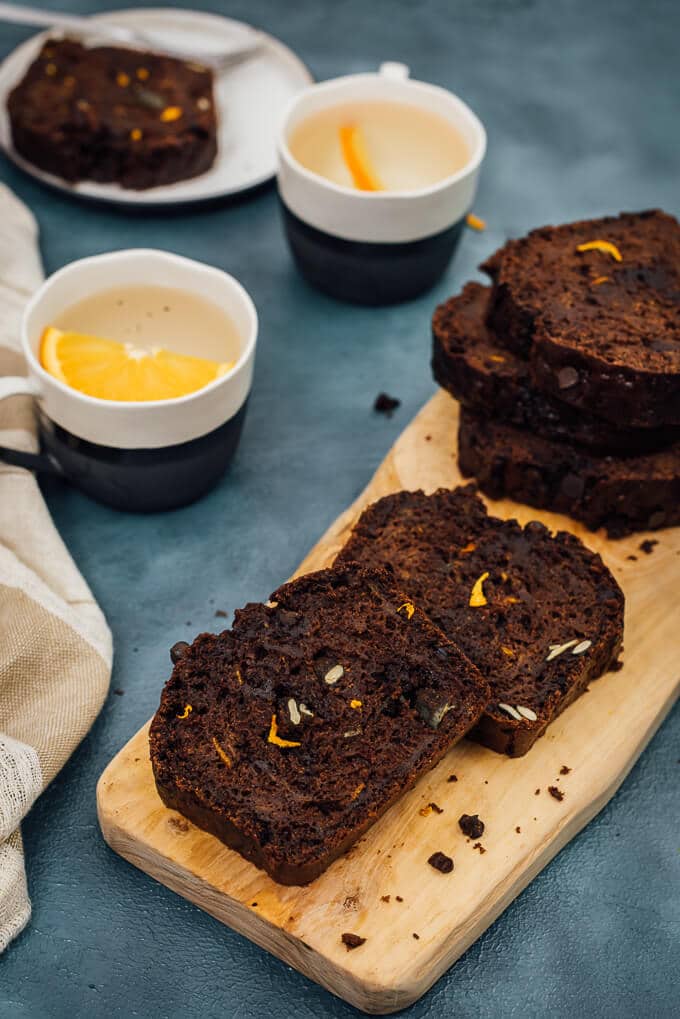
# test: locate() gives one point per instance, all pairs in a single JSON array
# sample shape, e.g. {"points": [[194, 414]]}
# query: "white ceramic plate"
{"points": [[250, 101]]}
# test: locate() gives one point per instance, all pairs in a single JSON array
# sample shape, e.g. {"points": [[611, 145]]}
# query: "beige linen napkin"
{"points": [[55, 646]]}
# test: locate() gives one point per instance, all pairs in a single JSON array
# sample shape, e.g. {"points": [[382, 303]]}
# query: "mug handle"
{"points": [[394, 70], [11, 385]]}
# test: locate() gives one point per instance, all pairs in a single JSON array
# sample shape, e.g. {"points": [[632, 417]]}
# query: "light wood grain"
{"points": [[599, 738]]}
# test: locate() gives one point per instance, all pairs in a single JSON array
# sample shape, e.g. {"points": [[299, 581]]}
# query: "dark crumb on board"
{"points": [[564, 770], [441, 862], [350, 902], [537, 792], [615, 666], [437, 809], [178, 823], [647, 546], [452, 778], [555, 792], [633, 558], [518, 830], [398, 898], [480, 847], [118, 692], [471, 826], [352, 941], [416, 936], [220, 614], [428, 438], [384, 898], [253, 904], [385, 404]]}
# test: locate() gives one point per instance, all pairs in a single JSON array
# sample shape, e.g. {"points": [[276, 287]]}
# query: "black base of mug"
{"points": [[143, 480], [362, 272]]}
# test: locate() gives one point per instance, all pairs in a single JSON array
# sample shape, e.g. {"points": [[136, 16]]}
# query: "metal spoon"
{"points": [[218, 60]]}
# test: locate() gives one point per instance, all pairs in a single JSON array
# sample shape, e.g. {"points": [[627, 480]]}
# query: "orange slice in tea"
{"points": [[110, 370], [357, 159]]}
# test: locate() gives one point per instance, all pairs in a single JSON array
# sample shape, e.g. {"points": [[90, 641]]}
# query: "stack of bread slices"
{"points": [[568, 371]]}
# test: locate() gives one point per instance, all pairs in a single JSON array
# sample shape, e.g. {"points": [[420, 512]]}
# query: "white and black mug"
{"points": [[138, 456], [376, 247]]}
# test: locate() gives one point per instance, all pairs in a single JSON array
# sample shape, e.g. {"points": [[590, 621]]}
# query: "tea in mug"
{"points": [[139, 343], [379, 146]]}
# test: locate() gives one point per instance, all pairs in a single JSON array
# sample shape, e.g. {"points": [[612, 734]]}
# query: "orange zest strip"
{"points": [[606, 246], [276, 740], [477, 596], [187, 711], [356, 159], [600, 279], [475, 222], [225, 757]]}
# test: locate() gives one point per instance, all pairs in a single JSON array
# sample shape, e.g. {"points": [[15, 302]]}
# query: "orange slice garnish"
{"points": [[110, 370], [357, 160]]}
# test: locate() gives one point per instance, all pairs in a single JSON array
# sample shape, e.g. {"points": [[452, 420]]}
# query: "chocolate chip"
{"points": [[471, 826], [352, 941], [178, 651], [572, 486], [567, 377], [385, 404], [441, 862]]}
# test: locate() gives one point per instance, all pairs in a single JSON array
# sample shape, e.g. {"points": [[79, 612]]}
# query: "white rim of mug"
{"points": [[120, 256], [331, 85]]}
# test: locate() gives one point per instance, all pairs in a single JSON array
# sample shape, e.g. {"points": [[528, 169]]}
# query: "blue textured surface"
{"points": [[581, 102]]}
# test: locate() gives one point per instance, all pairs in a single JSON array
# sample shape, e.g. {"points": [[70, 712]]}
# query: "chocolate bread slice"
{"points": [[289, 735], [540, 615], [621, 494], [493, 381], [595, 307], [110, 114]]}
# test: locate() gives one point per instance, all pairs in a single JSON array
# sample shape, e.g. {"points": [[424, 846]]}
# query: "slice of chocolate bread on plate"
{"points": [[289, 735], [539, 614], [110, 114], [620, 493], [471, 363], [595, 307]]}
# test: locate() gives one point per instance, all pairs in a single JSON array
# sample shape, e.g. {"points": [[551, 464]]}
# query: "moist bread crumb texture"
{"points": [[598, 332], [114, 115], [568, 371], [621, 494], [539, 614], [310, 718]]}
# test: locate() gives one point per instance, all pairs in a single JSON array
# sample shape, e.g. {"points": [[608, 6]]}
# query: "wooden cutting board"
{"points": [[384, 890]]}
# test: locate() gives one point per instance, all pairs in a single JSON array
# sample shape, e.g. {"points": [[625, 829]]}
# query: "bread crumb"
{"points": [[351, 941], [384, 898]]}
